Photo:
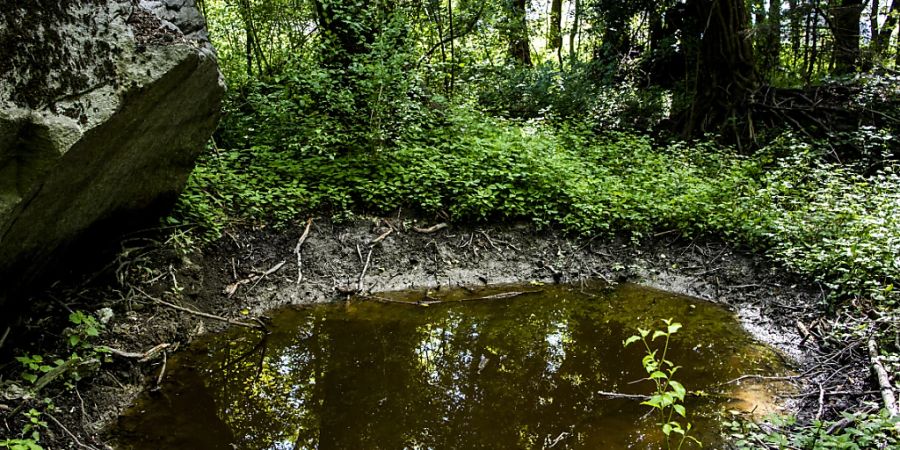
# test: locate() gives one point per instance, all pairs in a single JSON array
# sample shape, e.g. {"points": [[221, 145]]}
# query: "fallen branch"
{"points": [[74, 439], [431, 229], [56, 372], [142, 357], [5, 335], [201, 314], [382, 236], [390, 300], [761, 377], [274, 269], [884, 381], [359, 285], [626, 396], [209, 316], [501, 295], [162, 372], [432, 301], [298, 247]]}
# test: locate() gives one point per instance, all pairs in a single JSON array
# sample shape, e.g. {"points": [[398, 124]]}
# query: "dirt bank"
{"points": [[156, 293]]}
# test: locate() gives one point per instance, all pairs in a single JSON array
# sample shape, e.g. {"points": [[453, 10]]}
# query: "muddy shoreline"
{"points": [[249, 272]]}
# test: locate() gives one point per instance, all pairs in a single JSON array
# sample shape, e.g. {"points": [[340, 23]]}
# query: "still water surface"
{"points": [[519, 372]]}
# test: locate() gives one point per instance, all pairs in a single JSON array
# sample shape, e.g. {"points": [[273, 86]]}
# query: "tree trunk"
{"points": [[573, 35], [845, 20], [795, 13], [452, 47], [873, 20], [884, 35], [554, 37], [517, 32], [771, 50], [725, 76], [345, 31]]}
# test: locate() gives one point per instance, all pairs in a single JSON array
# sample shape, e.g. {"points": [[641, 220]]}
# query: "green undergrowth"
{"points": [[820, 220]]}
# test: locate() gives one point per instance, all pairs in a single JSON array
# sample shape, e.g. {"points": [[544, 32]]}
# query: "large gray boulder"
{"points": [[104, 106]]}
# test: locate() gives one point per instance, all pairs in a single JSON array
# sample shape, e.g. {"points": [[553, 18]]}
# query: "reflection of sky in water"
{"points": [[556, 351]]}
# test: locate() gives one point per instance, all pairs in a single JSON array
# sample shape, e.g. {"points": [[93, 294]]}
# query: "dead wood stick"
{"points": [[59, 370], [382, 236], [143, 357], [5, 335], [843, 423], [298, 247], [762, 377], [208, 316], [884, 380], [491, 242], [501, 295], [621, 395], [359, 285], [274, 269], [390, 300], [74, 439], [821, 402], [833, 393], [162, 372], [200, 313], [431, 229]]}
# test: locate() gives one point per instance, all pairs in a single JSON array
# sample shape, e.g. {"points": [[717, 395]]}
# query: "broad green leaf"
{"points": [[630, 340], [658, 375], [658, 334], [680, 410], [678, 389], [673, 328]]}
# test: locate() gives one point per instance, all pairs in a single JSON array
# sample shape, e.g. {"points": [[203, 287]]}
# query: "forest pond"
{"points": [[517, 371]]}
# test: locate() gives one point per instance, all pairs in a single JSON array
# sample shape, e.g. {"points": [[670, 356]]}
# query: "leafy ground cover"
{"points": [[830, 223]]}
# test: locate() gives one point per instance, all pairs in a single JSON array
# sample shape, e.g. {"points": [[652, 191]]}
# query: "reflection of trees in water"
{"points": [[516, 374]]}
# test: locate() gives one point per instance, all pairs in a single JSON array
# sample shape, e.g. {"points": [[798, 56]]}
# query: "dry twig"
{"points": [[142, 357], [298, 247], [431, 229], [66, 430]]}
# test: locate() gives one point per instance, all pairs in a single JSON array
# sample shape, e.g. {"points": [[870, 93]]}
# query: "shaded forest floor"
{"points": [[250, 271], [804, 249]]}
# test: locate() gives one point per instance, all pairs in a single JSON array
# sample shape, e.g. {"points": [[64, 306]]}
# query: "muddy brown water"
{"points": [[518, 372]]}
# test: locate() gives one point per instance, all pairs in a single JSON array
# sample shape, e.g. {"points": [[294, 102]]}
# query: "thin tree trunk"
{"points": [[519, 45], [452, 47], [845, 20], [772, 48], [573, 35], [813, 32], [794, 25], [873, 21], [554, 37], [884, 35]]}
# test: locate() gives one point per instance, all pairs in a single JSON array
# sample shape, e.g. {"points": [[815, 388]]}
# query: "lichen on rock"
{"points": [[104, 106]]}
